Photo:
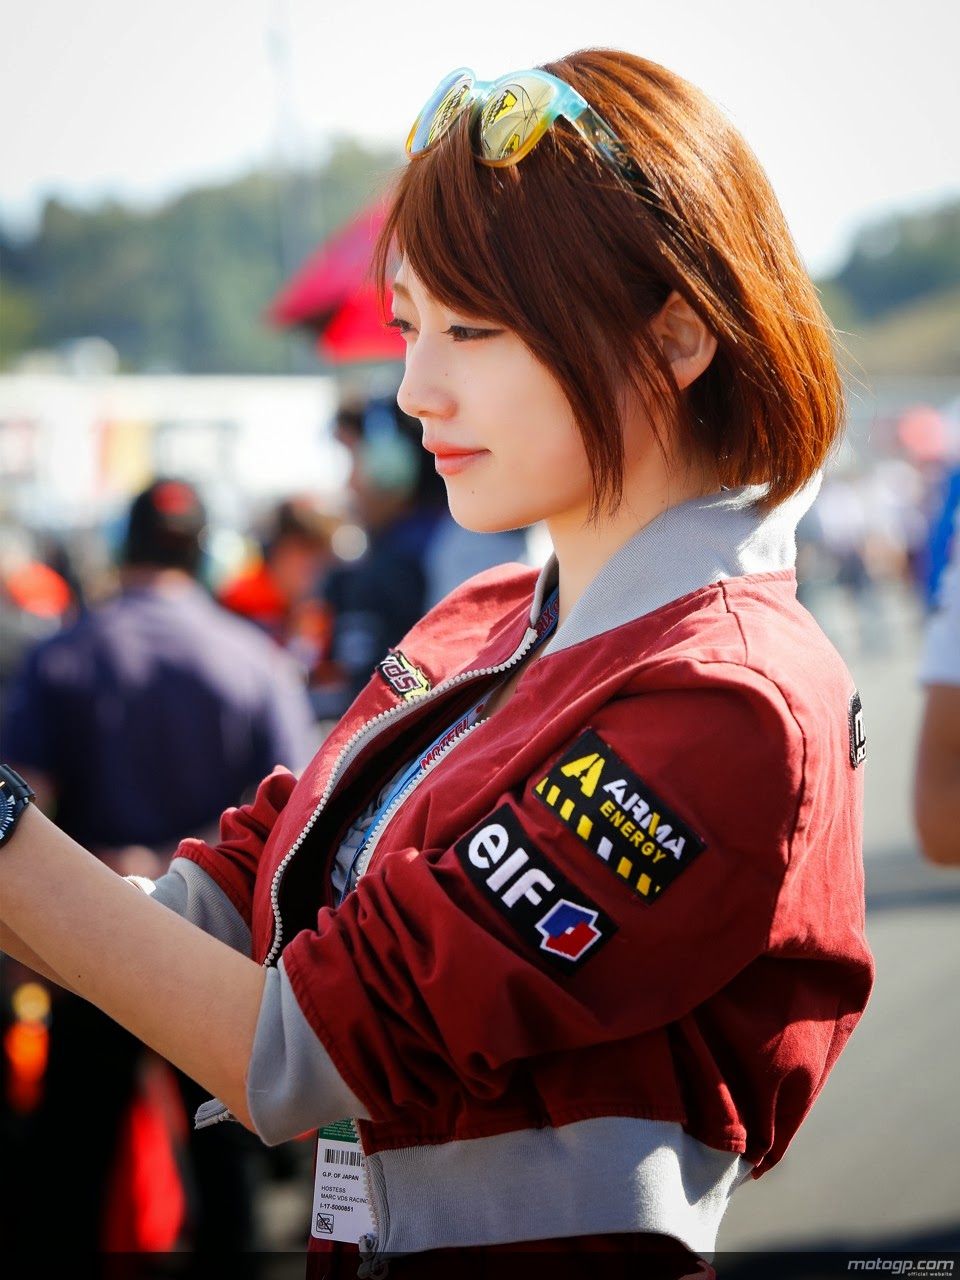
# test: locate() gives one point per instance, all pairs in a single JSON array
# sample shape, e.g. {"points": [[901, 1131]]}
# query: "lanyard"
{"points": [[546, 624]]}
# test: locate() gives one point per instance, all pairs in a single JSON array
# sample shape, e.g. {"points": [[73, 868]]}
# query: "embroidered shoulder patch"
{"points": [[858, 738], [618, 817], [406, 680], [546, 910]]}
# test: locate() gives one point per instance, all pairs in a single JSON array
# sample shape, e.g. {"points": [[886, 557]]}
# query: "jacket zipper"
{"points": [[374, 836], [369, 1244], [352, 748]]}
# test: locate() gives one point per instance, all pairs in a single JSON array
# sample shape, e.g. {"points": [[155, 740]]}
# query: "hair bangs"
{"points": [[443, 223]]}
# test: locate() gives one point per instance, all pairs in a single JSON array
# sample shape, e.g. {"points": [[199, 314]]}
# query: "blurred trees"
{"points": [[897, 296], [901, 259], [184, 287]]}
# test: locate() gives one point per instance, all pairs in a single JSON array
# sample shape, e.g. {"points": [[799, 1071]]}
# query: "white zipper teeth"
{"points": [[374, 837], [350, 747], [367, 1181]]}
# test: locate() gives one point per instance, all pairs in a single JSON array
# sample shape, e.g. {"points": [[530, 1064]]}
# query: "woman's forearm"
{"points": [[936, 782], [15, 947], [187, 995]]}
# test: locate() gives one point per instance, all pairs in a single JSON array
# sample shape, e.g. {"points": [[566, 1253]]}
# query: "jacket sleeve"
{"points": [[526, 936], [192, 894]]}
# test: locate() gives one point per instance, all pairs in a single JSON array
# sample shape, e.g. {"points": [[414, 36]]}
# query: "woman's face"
{"points": [[501, 429]]}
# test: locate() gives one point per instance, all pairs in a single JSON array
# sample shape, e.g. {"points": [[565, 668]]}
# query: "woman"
{"points": [[565, 920]]}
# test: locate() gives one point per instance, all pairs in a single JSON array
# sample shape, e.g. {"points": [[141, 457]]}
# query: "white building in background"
{"points": [[74, 448]]}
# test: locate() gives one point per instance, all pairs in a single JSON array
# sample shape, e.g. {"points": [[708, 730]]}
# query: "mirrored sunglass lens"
{"points": [[514, 116], [439, 114]]}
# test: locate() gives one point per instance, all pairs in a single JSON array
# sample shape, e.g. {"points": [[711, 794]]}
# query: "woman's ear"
{"points": [[684, 339]]}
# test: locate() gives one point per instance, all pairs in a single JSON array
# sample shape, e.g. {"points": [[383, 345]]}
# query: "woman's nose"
{"points": [[405, 396], [424, 391]]}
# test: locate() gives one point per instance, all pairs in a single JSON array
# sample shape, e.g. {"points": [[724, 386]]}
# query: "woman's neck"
{"points": [[583, 547]]}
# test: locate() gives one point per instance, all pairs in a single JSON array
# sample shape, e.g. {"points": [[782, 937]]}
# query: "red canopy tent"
{"points": [[332, 295]]}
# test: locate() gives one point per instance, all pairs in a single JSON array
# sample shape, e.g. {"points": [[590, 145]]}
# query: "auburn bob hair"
{"points": [[576, 261]]}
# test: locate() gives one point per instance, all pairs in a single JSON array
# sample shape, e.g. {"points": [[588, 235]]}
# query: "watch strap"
{"points": [[18, 787], [15, 794]]}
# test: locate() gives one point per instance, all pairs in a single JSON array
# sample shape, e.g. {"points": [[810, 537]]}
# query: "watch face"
{"points": [[8, 813]]}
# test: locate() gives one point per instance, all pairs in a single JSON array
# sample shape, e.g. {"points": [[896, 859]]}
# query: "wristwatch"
{"points": [[15, 795]]}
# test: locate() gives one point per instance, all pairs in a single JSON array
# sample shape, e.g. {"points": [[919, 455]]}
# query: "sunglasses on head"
{"points": [[510, 115]]}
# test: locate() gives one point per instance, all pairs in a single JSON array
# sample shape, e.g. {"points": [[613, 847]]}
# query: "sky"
{"points": [[852, 106]]}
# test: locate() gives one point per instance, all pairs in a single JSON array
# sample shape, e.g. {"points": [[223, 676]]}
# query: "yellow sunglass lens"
{"points": [[439, 113], [514, 118], [448, 109]]}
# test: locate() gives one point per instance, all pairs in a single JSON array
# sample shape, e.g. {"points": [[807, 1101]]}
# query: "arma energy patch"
{"points": [[618, 817]]}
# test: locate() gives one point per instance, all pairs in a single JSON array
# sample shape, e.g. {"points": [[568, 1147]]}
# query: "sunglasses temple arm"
{"points": [[598, 134]]}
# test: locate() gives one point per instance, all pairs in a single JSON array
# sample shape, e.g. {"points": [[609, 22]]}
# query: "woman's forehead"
{"points": [[407, 284]]}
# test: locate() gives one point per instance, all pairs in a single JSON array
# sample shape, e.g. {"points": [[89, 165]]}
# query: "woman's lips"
{"points": [[450, 462]]}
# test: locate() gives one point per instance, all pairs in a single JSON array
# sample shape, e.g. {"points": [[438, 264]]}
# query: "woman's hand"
{"points": [[185, 994]]}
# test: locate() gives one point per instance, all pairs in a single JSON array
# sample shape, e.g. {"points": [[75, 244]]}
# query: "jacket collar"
{"points": [[685, 548]]}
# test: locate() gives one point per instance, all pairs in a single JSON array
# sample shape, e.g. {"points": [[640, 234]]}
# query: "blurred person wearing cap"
{"points": [[137, 726]]}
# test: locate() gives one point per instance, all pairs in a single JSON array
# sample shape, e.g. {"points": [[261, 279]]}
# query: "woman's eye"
{"points": [[469, 333], [403, 327]]}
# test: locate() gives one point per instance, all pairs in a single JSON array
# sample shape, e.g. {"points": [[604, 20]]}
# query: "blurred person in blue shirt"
{"points": [[398, 501]]}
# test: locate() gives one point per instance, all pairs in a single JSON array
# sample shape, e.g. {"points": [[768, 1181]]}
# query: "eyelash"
{"points": [[458, 332], [465, 333]]}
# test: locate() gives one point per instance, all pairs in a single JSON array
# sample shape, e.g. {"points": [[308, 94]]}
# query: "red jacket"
{"points": [[633, 897]]}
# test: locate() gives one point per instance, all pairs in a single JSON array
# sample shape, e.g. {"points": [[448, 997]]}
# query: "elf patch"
{"points": [[546, 910], [618, 817], [406, 680]]}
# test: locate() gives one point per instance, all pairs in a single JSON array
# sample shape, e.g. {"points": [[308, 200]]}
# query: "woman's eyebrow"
{"points": [[402, 289]]}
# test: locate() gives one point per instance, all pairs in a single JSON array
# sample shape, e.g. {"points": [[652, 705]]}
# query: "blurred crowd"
{"points": [[877, 537]]}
